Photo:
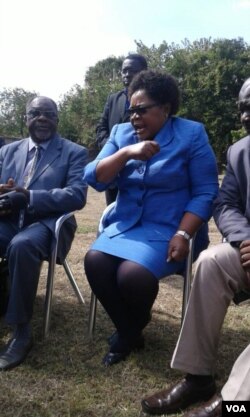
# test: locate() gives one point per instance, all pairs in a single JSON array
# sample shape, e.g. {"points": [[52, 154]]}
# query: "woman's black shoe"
{"points": [[111, 358], [126, 348]]}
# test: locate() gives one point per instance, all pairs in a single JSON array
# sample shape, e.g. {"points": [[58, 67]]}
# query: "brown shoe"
{"points": [[177, 397], [212, 408]]}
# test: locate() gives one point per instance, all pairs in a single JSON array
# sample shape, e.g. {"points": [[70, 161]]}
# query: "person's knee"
{"points": [[93, 260], [204, 256], [99, 266], [217, 267], [217, 256], [20, 245], [134, 282], [89, 257]]}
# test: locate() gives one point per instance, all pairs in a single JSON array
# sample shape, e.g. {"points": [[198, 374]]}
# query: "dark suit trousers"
{"points": [[25, 250]]}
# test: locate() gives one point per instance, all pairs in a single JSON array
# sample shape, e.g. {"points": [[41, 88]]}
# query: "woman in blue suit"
{"points": [[166, 174]]}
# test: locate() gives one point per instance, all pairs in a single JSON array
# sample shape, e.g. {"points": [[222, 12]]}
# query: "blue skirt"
{"points": [[133, 246]]}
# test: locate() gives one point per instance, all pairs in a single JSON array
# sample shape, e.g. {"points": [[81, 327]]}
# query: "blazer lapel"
{"points": [[121, 106], [20, 157], [166, 134]]}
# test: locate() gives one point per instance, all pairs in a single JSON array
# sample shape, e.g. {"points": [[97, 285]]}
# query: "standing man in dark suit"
{"points": [[115, 110], [47, 169], [222, 271]]}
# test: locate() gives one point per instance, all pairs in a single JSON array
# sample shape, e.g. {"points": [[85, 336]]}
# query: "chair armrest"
{"points": [[60, 222], [106, 211]]}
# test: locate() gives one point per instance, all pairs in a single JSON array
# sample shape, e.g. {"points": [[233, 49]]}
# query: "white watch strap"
{"points": [[183, 234]]}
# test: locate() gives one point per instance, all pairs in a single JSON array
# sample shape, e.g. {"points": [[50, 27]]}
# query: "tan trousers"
{"points": [[219, 275]]}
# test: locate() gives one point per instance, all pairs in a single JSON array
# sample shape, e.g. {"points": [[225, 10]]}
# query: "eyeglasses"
{"points": [[37, 113], [140, 110]]}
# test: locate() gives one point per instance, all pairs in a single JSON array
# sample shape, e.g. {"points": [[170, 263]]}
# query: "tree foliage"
{"points": [[81, 108], [209, 73], [12, 111]]}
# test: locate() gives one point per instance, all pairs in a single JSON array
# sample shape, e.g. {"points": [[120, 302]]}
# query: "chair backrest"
{"points": [[105, 212], [59, 223]]}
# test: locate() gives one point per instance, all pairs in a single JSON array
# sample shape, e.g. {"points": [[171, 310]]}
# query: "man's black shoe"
{"points": [[213, 408], [15, 353]]}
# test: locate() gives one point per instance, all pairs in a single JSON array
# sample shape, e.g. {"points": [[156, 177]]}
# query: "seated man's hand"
{"points": [[24, 191], [5, 212], [13, 201], [11, 186], [6, 188], [245, 258]]}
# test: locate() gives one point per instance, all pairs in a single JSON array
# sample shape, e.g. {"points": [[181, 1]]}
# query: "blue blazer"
{"points": [[57, 184], [181, 178]]}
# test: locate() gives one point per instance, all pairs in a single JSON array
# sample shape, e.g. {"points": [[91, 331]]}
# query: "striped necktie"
{"points": [[30, 169], [29, 172]]}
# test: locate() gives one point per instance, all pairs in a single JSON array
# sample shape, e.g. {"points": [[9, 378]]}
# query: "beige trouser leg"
{"points": [[218, 276], [237, 387]]}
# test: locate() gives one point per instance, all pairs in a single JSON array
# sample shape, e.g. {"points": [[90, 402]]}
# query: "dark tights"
{"points": [[126, 290]]}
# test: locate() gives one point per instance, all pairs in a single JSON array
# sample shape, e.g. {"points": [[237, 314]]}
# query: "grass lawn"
{"points": [[63, 375]]}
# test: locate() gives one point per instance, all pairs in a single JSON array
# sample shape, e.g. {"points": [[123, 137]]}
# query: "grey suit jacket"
{"points": [[57, 184], [232, 206]]}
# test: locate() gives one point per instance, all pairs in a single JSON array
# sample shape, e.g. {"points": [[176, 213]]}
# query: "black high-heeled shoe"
{"points": [[114, 357]]}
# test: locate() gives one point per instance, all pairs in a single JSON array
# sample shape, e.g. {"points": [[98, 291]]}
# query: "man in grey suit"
{"points": [[47, 170], [222, 271]]}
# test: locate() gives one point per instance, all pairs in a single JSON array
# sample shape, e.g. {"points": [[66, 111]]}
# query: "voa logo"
{"points": [[236, 408], [231, 408]]}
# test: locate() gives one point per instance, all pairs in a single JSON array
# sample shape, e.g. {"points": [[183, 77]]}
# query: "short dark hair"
{"points": [[41, 97], [159, 86], [140, 58]]}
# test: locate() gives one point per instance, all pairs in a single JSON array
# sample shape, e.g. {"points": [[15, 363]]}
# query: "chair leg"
{"points": [[187, 280], [186, 293], [73, 282], [48, 298], [49, 292], [92, 315]]}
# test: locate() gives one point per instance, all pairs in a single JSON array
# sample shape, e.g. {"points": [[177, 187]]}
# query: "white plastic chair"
{"points": [[51, 274], [186, 285]]}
